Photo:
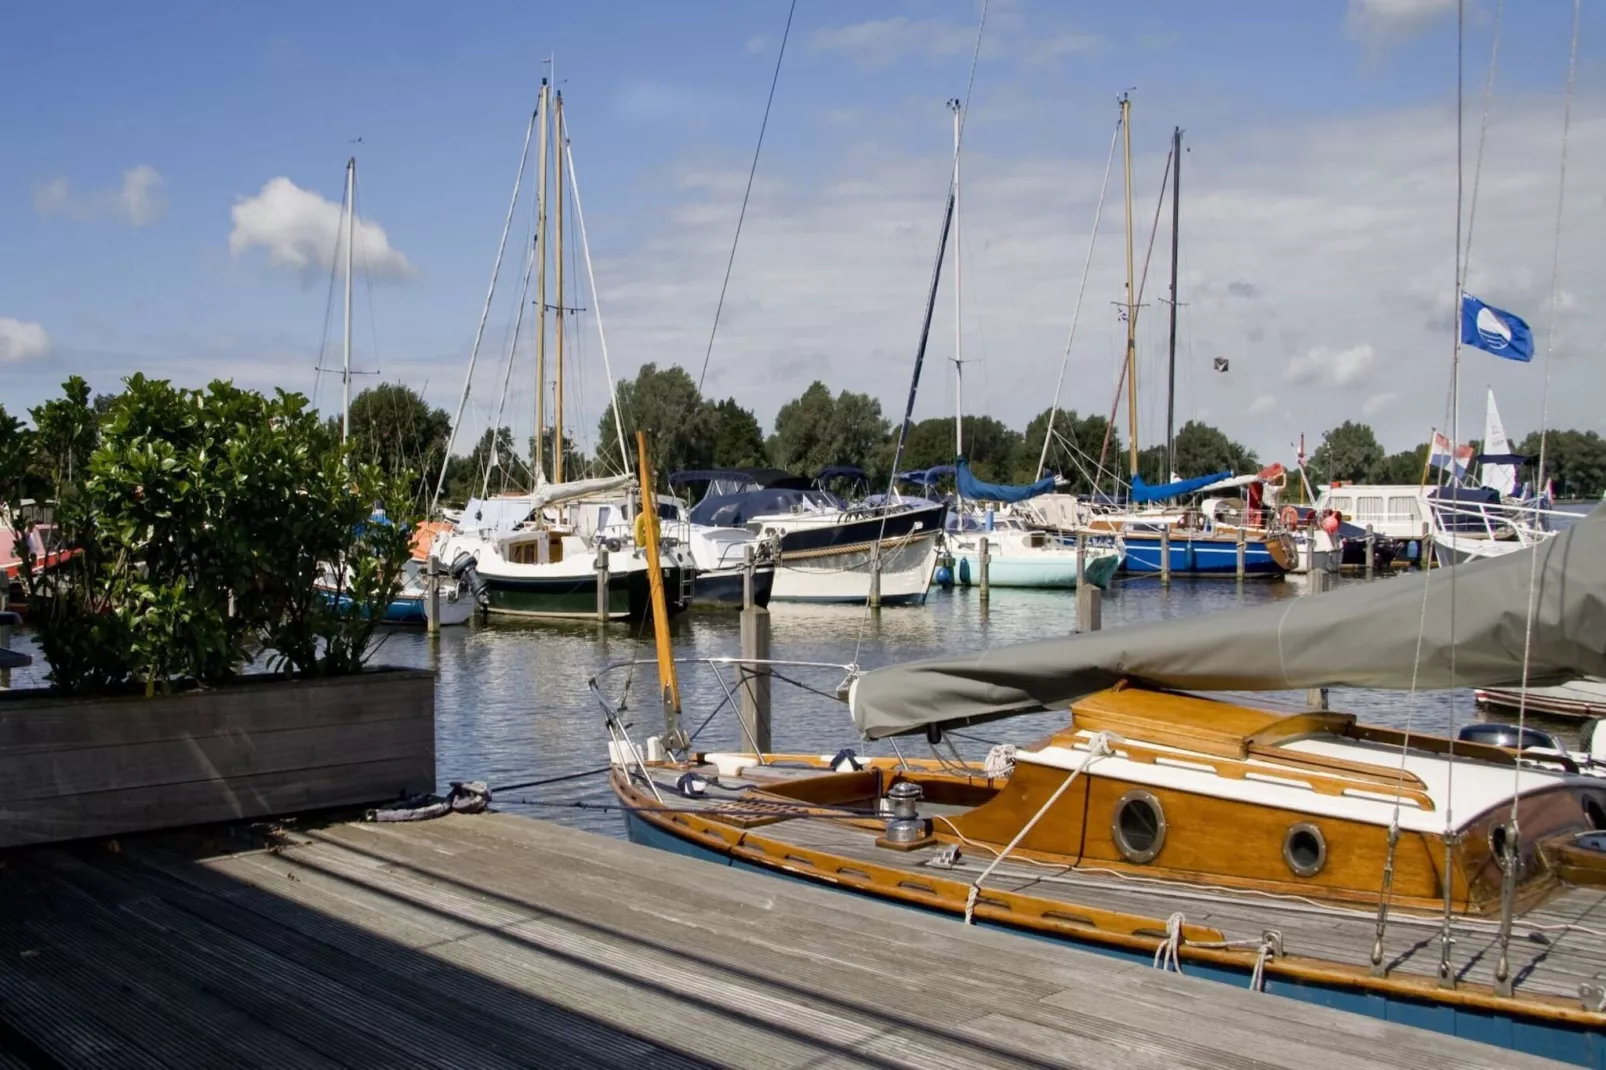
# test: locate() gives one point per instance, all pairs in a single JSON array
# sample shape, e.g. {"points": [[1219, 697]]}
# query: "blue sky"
{"points": [[1317, 136]]}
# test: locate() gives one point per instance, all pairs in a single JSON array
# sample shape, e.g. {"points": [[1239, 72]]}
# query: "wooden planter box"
{"points": [[72, 768]]}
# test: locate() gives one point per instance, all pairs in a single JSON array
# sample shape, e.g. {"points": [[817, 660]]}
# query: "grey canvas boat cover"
{"points": [[1390, 633]]}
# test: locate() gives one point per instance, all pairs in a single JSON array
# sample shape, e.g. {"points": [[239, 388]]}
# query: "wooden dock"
{"points": [[500, 941]]}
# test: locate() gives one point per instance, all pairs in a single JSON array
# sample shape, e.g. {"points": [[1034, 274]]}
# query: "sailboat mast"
{"points": [[1131, 308], [959, 361], [557, 400], [537, 454], [1171, 361], [345, 367]]}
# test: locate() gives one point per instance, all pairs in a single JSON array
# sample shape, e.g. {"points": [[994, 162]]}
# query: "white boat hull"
{"points": [[843, 575]]}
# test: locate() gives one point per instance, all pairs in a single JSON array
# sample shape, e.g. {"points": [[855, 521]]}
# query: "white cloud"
{"points": [[1265, 403], [1382, 22], [1377, 403], [883, 42], [1061, 45], [1332, 367], [756, 44], [20, 340], [300, 230], [138, 201]]}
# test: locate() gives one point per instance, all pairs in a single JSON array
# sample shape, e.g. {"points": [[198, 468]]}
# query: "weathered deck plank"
{"points": [[501, 941]]}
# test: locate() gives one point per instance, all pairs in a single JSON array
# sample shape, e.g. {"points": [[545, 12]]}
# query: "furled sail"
{"points": [[974, 489], [1142, 492], [1365, 635]]}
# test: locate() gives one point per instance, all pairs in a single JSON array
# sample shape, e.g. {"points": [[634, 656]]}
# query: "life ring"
{"points": [[1289, 516]]}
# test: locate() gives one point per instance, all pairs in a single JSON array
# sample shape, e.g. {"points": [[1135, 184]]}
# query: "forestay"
{"points": [[1361, 636]]}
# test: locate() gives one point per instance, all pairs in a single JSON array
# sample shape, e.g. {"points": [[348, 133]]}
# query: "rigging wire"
{"points": [[328, 308], [1081, 290], [931, 297], [747, 194]]}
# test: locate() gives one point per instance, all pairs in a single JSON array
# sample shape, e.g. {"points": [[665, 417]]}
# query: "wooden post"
{"points": [[7, 621], [1316, 583], [668, 678], [985, 555], [1240, 552], [875, 576], [1089, 608], [749, 562], [432, 595], [1369, 551], [1165, 556], [602, 582], [1081, 560], [755, 699]]}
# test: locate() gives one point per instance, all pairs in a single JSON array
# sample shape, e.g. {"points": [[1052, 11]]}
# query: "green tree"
{"points": [[1404, 467], [682, 428], [990, 447], [1202, 449], [16, 456], [509, 473], [394, 427], [66, 431], [1574, 460], [1073, 451], [815, 429], [1349, 451], [575, 464], [738, 437]]}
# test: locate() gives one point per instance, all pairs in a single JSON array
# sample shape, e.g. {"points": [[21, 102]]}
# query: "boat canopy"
{"points": [[974, 489], [757, 477], [736, 509], [1471, 619], [1143, 493]]}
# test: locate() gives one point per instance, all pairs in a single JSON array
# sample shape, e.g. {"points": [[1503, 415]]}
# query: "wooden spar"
{"points": [[1171, 360], [668, 683], [557, 394], [1131, 297], [537, 454]]}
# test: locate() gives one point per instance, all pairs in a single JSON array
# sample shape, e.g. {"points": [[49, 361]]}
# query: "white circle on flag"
{"points": [[1493, 330]]}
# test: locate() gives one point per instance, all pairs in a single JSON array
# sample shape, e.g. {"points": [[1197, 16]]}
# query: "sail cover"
{"points": [[1142, 492], [1364, 635], [974, 489]]}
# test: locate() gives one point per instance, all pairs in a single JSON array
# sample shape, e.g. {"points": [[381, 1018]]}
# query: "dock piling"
{"points": [[986, 561], [602, 583], [1081, 560], [432, 600], [754, 709], [1165, 557], [1240, 552], [749, 562], [1370, 549], [1316, 583], [1089, 608], [875, 576]]}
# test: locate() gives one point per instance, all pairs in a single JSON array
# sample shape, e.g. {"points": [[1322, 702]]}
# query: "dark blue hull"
{"points": [[722, 588], [1576, 1045], [1199, 558]]}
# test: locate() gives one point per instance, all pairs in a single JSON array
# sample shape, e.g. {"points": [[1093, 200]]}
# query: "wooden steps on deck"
{"points": [[501, 941]]}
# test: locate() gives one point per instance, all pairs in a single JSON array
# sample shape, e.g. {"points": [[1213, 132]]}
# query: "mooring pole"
{"points": [[432, 587], [602, 583], [1165, 556]]}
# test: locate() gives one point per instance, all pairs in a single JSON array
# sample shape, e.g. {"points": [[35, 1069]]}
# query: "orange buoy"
{"points": [[1330, 522]]}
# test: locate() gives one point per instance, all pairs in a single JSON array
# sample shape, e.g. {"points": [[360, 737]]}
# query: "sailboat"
{"points": [[1447, 883]]}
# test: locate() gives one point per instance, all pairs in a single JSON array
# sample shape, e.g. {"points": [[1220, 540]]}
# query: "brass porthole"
{"points": [[1305, 849], [1138, 827]]}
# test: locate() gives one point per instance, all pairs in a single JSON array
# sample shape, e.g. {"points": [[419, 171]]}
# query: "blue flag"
{"points": [[1495, 330]]}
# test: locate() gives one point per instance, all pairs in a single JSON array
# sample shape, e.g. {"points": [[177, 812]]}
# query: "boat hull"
{"points": [[841, 573], [1200, 557], [575, 595], [1579, 1045], [1052, 571], [723, 588]]}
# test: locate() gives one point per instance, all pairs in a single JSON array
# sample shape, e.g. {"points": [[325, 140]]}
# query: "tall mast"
{"points": [[959, 355], [557, 403], [537, 454], [1171, 363], [345, 367], [1131, 298]]}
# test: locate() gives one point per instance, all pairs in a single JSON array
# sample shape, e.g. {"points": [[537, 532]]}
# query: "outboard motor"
{"points": [[464, 568]]}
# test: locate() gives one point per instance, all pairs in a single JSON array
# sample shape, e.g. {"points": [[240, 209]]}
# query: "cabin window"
{"points": [[1403, 509], [1342, 505], [1369, 509], [1138, 827], [1305, 850]]}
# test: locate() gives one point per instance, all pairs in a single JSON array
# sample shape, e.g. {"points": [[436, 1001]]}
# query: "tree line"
{"points": [[394, 428]]}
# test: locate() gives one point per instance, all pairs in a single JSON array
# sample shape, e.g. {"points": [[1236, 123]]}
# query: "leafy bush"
{"points": [[203, 521]]}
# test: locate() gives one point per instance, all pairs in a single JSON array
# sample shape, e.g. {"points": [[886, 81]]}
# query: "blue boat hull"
{"points": [[1579, 1046], [1199, 558]]}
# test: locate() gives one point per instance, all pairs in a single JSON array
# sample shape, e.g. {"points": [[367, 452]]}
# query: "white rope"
{"points": [[1270, 946], [1000, 761], [1165, 956], [1098, 747], [1076, 313]]}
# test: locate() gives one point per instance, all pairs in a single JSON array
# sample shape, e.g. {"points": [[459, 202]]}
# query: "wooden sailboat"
{"points": [[1444, 883]]}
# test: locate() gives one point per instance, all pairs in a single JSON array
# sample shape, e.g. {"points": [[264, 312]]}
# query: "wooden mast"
{"points": [[668, 683], [537, 454], [1131, 298], [1171, 362], [557, 399]]}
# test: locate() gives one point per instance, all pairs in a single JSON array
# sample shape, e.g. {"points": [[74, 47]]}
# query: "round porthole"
{"points": [[1305, 850], [1138, 827], [1594, 812]]}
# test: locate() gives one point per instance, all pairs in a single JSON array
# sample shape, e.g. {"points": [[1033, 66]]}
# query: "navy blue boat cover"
{"points": [[974, 489], [1142, 492]]}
